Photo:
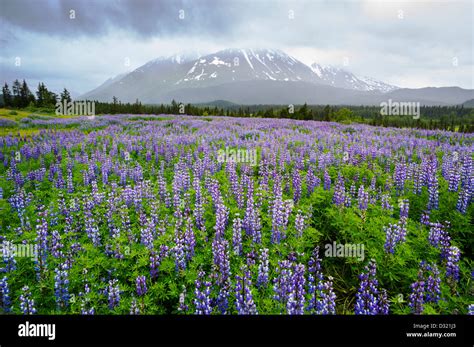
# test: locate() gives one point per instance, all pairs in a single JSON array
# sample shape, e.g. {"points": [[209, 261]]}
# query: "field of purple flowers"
{"points": [[160, 215]]}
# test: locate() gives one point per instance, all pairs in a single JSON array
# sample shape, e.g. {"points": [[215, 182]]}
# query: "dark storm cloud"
{"points": [[146, 18]]}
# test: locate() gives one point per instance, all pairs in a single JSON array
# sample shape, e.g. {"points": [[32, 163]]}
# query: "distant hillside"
{"points": [[469, 103]]}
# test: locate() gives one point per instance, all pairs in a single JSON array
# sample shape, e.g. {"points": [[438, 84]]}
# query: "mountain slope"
{"points": [[285, 93], [247, 76], [340, 78]]}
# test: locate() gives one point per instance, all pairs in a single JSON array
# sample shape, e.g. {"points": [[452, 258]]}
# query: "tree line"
{"points": [[453, 118], [20, 96]]}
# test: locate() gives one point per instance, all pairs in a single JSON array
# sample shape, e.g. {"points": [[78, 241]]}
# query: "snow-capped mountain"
{"points": [[340, 78], [250, 76], [232, 65]]}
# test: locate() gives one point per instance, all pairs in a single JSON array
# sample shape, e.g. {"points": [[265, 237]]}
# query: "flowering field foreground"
{"points": [[191, 215]]}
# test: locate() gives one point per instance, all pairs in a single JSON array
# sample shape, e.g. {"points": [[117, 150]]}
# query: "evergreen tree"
{"points": [[7, 96], [16, 88], [65, 95], [26, 96]]}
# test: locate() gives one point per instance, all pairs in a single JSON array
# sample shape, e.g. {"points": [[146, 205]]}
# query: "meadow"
{"points": [[129, 214]]}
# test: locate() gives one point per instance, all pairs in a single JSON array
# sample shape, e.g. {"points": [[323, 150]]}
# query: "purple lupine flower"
{"points": [[386, 202], [432, 183], [27, 304], [202, 294], [463, 199], [470, 310], [322, 298], [42, 235], [368, 298], [435, 234], [113, 293], [61, 285], [299, 224], [134, 309], [243, 293], [454, 177], [433, 284], [425, 218], [198, 206], [91, 227], [85, 299], [400, 175], [5, 295], [384, 303], [222, 214], [141, 285], [237, 234], [262, 278], [56, 245], [251, 258], [416, 300], [325, 297], [221, 260], [404, 208], [281, 283], [222, 300], [252, 222], [182, 301], [392, 236], [179, 251], [146, 234], [311, 181], [296, 186], [452, 266], [327, 180], [277, 217], [189, 239], [296, 298], [362, 198], [8, 255], [426, 288], [339, 192]]}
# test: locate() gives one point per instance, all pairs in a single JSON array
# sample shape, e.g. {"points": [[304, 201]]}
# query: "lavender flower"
{"points": [[369, 300], [27, 304], [182, 301], [262, 279], [156, 259], [296, 298], [134, 309], [113, 292], [202, 294], [141, 285], [243, 294], [452, 267], [221, 259], [5, 295], [237, 235], [416, 300], [299, 224], [362, 198], [61, 285]]}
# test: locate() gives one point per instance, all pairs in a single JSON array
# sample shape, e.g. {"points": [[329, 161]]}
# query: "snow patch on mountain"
{"points": [[341, 78]]}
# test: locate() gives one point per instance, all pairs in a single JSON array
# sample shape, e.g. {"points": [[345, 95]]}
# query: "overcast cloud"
{"points": [[409, 44]]}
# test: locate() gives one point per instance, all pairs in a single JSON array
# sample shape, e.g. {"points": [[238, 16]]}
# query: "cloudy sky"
{"points": [[79, 44]]}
